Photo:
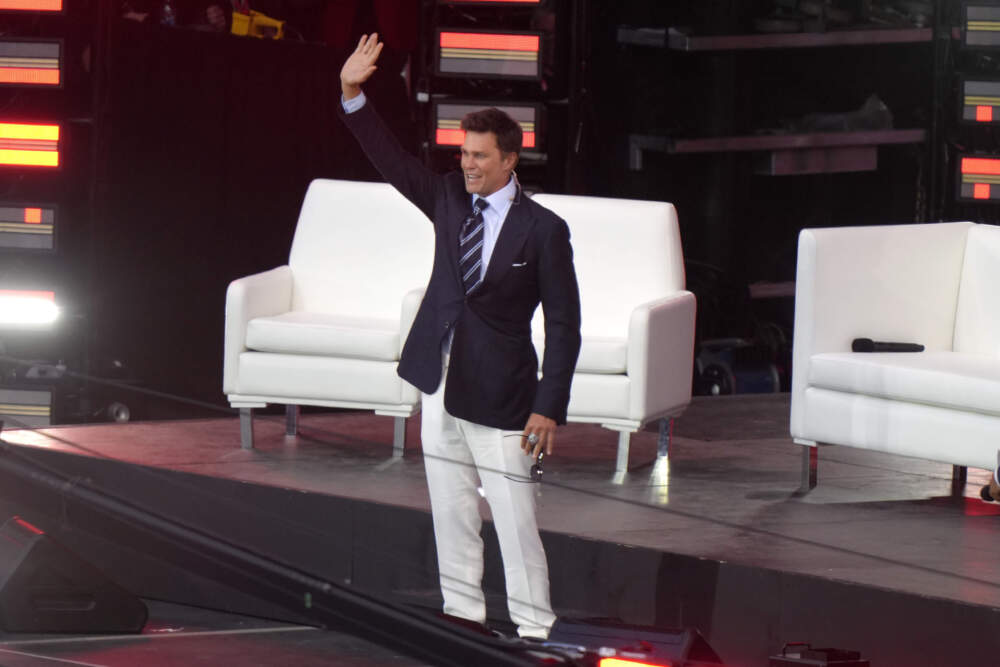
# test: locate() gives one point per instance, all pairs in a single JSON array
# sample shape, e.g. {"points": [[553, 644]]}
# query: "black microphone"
{"points": [[869, 345]]}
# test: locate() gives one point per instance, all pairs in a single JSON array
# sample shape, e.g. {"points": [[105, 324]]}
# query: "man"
{"points": [[497, 256]]}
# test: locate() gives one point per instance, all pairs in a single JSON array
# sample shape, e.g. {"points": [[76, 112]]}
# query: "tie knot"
{"points": [[479, 206]]}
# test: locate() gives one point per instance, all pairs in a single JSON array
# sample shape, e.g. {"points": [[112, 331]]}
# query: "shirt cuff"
{"points": [[353, 104]]}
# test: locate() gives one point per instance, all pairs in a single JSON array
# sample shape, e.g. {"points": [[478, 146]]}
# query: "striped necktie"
{"points": [[470, 246]]}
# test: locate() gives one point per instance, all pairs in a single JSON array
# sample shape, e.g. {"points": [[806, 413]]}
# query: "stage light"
{"points": [[28, 309], [980, 101], [27, 227], [31, 63], [506, 55], [28, 408], [448, 118], [978, 179], [982, 25], [31, 5], [29, 145]]}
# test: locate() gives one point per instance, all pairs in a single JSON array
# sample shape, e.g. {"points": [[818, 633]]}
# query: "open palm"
{"points": [[360, 65]]}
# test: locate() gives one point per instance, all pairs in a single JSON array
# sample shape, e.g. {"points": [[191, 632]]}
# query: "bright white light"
{"points": [[27, 309]]}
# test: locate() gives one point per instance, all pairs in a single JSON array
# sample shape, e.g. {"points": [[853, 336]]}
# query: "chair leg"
{"points": [[666, 437], [291, 420], [810, 465], [959, 476], [621, 465], [246, 428], [398, 437]]}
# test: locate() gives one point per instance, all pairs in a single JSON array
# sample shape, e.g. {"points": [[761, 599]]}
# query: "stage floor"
{"points": [[727, 492]]}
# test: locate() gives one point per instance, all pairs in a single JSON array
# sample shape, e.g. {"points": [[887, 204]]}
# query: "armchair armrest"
{"points": [[661, 355], [258, 295], [411, 303]]}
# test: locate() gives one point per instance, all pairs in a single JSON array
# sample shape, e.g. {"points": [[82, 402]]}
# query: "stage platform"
{"points": [[884, 556]]}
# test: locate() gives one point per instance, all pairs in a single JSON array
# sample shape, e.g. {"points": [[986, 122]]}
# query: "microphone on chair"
{"points": [[869, 345]]}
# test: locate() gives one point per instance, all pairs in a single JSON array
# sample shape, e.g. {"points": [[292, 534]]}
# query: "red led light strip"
{"points": [[489, 41], [31, 5], [450, 137], [29, 145], [30, 76]]}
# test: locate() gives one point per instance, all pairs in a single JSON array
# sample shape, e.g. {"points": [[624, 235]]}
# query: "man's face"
{"points": [[485, 167]]}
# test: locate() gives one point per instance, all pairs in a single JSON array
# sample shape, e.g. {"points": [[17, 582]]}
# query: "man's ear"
{"points": [[509, 160]]}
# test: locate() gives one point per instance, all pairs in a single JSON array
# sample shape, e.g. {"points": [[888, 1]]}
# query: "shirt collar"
{"points": [[501, 199]]}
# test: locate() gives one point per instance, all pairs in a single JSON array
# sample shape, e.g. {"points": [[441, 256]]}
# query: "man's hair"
{"points": [[506, 129]]}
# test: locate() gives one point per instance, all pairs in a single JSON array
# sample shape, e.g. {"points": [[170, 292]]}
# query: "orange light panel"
{"points": [[976, 165], [33, 216], [981, 191], [29, 132], [31, 5], [620, 662], [30, 62], [449, 137], [29, 158], [475, 40], [29, 145], [984, 114]]}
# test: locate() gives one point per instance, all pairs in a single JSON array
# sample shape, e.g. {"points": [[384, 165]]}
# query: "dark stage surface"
{"points": [[880, 557]]}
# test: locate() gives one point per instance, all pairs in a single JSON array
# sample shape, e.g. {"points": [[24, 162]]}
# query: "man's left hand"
{"points": [[545, 429]]}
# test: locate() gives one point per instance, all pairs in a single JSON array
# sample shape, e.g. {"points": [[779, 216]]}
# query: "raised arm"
{"points": [[398, 167]]}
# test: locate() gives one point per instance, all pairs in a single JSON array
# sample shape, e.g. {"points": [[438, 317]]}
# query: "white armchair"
{"points": [[637, 356], [933, 284], [327, 329]]}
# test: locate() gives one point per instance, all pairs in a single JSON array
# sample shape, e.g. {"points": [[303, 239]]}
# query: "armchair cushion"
{"points": [[942, 379], [602, 354], [323, 334]]}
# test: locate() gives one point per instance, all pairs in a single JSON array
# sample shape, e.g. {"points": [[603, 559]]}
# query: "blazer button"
{"points": [[447, 324]]}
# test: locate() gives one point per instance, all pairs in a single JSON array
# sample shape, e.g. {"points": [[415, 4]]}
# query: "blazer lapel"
{"points": [[513, 234]]}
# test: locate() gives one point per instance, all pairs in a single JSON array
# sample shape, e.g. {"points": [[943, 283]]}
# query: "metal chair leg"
{"points": [[621, 465], [810, 465], [291, 420], [666, 437], [398, 437], [246, 428]]}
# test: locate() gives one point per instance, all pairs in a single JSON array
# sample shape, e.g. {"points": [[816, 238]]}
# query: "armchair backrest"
{"points": [[358, 248], [627, 252], [977, 320]]}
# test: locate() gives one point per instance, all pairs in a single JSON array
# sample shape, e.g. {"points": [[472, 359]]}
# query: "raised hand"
{"points": [[360, 65]]}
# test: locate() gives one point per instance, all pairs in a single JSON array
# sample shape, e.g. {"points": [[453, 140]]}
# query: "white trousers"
{"points": [[456, 450]]}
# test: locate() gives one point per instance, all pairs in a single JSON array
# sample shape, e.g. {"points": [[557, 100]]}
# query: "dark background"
{"points": [[188, 153]]}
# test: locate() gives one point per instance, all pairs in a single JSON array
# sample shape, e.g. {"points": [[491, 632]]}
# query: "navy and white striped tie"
{"points": [[470, 246]]}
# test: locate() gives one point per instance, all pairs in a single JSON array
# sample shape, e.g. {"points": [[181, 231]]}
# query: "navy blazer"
{"points": [[493, 371]]}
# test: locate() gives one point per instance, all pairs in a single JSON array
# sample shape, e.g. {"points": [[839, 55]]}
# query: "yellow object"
{"points": [[259, 25]]}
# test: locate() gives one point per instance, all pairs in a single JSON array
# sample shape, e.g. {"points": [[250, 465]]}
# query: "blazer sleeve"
{"points": [[399, 168], [560, 296]]}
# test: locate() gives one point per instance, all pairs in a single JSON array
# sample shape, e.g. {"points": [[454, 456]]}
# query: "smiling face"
{"points": [[485, 166]]}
